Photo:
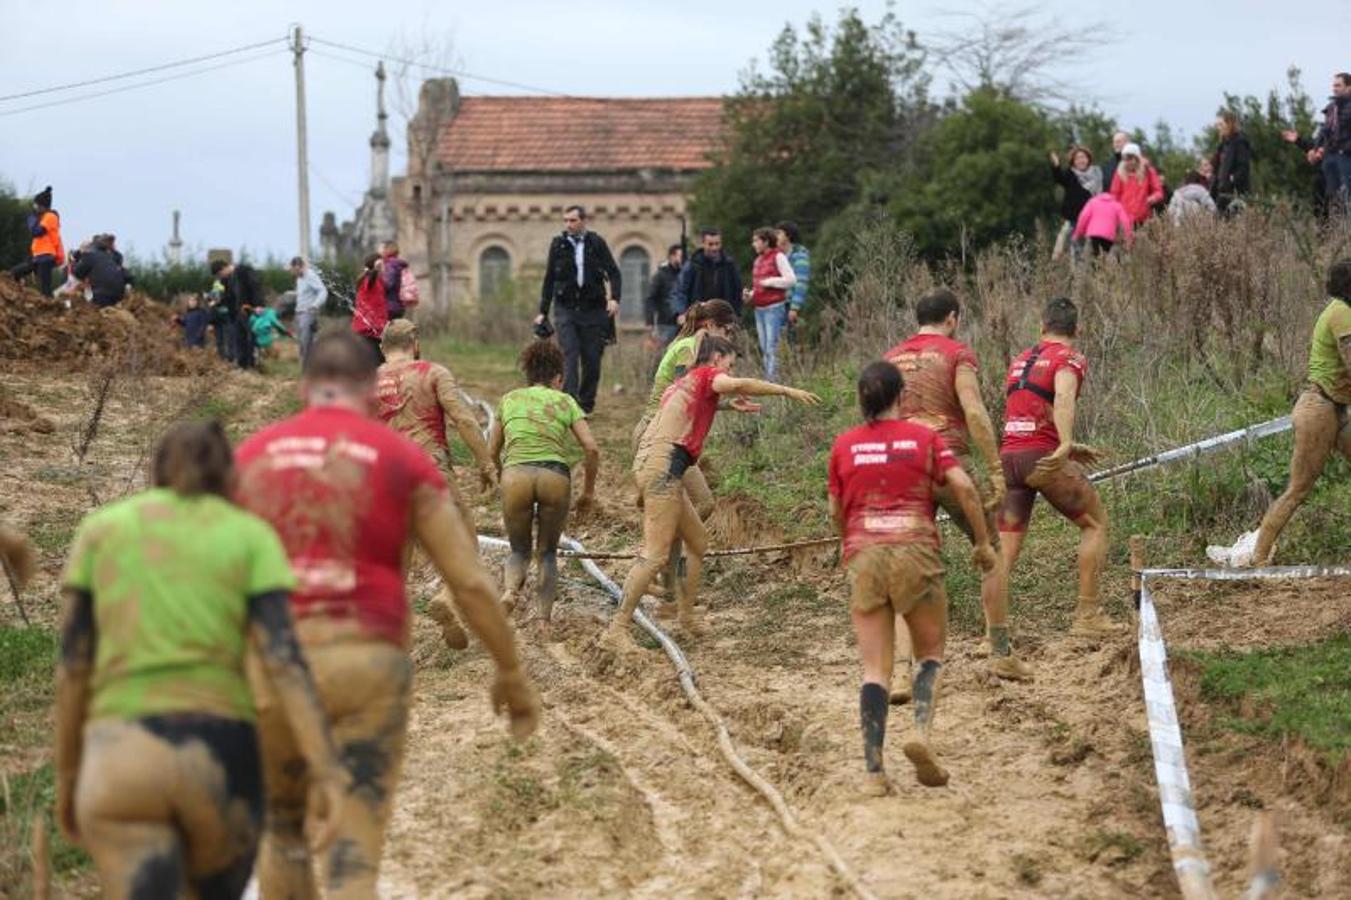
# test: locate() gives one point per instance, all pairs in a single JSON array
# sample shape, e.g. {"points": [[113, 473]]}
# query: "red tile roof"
{"points": [[581, 134]]}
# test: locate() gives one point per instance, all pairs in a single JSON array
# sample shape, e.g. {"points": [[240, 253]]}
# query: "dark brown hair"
{"points": [[371, 274], [1061, 316], [194, 458], [712, 346], [340, 356], [1339, 280], [542, 362], [879, 384], [935, 306], [700, 315], [767, 235]]}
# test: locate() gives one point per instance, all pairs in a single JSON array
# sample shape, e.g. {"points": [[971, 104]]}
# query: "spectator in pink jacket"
{"points": [[1100, 220], [1136, 184]]}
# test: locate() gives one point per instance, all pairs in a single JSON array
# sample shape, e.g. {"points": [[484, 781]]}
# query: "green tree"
{"points": [[979, 175], [837, 103], [14, 237]]}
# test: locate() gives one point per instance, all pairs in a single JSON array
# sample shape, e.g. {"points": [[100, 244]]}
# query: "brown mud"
{"points": [[623, 792]]}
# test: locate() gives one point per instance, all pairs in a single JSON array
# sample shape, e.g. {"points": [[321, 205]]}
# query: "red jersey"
{"points": [[928, 363], [883, 475], [338, 488], [687, 410], [369, 313], [1029, 421]]}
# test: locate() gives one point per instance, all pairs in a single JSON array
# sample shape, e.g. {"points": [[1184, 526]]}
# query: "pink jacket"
{"points": [[1101, 216], [1137, 194]]}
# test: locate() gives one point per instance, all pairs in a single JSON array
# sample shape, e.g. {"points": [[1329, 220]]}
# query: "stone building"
{"points": [[488, 179], [374, 221]]}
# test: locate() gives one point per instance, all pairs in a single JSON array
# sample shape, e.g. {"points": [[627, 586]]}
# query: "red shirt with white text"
{"points": [[1029, 421], [928, 363]]}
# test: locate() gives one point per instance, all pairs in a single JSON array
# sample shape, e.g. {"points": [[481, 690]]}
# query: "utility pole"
{"points": [[302, 145]]}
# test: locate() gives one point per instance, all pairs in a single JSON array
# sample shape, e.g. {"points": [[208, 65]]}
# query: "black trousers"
{"points": [[42, 266], [243, 342], [582, 332]]}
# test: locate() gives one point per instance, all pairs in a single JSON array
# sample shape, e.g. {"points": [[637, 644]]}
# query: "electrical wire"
{"points": [[141, 84], [145, 71], [459, 73]]}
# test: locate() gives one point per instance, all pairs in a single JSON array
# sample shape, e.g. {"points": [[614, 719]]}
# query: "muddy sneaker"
{"points": [[1010, 668], [691, 624], [875, 784], [1095, 624], [452, 632], [666, 611], [983, 649], [899, 696], [617, 635], [927, 770]]}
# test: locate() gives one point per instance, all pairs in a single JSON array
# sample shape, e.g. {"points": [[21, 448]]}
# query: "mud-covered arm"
{"points": [[754, 387], [448, 394], [74, 672], [447, 540], [968, 498], [274, 638], [837, 515], [582, 431], [978, 422], [1066, 398], [496, 441]]}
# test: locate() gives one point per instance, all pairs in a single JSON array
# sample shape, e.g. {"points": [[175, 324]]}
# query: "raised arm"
{"points": [[450, 544], [74, 670], [981, 429], [466, 424], [754, 387], [274, 639]]}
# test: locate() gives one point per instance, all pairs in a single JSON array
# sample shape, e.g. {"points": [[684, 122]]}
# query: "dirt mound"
{"points": [[138, 334], [18, 416]]}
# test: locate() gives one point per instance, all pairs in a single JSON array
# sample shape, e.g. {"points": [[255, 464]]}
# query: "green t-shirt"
{"points": [[537, 426], [1327, 369], [680, 355], [171, 577]]}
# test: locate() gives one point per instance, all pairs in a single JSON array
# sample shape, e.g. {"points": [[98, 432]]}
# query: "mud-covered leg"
{"points": [[283, 867], [137, 860], [928, 632], [1316, 433], [875, 632], [553, 494], [695, 538], [518, 519], [662, 508]]}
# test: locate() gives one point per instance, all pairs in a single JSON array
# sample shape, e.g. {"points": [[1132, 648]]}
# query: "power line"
{"points": [[135, 72], [459, 73], [141, 84]]}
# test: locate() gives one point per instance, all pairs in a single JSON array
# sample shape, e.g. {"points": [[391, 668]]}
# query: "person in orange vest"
{"points": [[45, 252]]}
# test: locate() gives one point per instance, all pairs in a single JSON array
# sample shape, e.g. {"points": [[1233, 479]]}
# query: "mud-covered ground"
{"points": [[623, 790]]}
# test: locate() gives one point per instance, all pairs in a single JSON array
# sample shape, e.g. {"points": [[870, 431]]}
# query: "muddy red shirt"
{"points": [[883, 475], [687, 409], [338, 488], [1029, 422], [928, 363]]}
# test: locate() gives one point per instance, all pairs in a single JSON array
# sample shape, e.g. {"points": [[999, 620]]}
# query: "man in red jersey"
{"points": [[418, 399], [942, 392], [345, 494], [882, 479], [1040, 457]]}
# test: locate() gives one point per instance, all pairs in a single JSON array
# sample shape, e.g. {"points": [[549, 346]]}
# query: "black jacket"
{"points": [[707, 279], [1076, 195], [1233, 167], [107, 279], [560, 273], [1334, 134], [242, 289], [657, 309]]}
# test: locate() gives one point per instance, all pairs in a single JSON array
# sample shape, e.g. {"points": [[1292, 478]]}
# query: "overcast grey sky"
{"points": [[220, 146]]}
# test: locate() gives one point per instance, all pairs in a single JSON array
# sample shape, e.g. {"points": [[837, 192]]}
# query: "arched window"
{"points": [[494, 271], [635, 266]]}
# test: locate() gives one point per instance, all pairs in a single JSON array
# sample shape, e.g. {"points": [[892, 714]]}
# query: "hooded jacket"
{"points": [[704, 278], [1101, 217], [1138, 193], [107, 279]]}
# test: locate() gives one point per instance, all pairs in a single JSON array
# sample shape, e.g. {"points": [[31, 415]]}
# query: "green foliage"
{"points": [[1302, 691], [837, 103], [14, 237], [33, 794], [26, 652], [978, 175], [1279, 169]]}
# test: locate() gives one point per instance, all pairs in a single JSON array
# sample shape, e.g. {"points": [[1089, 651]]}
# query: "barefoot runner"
{"points": [[883, 475], [1040, 457], [158, 775], [531, 443], [942, 391], [418, 399], [345, 494], [670, 447], [1320, 416]]}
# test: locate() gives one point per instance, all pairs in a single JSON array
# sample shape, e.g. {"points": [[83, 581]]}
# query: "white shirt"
{"points": [[310, 291], [578, 254]]}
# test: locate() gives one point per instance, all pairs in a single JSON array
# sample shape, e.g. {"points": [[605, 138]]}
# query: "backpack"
{"points": [[408, 289]]}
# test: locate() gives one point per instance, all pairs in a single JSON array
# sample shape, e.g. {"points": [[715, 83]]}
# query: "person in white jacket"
{"points": [[1192, 199], [771, 278]]}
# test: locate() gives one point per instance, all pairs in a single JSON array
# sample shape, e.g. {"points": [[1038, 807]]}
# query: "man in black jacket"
{"points": [[657, 309], [579, 265], [709, 275], [1330, 148], [243, 293], [103, 271]]}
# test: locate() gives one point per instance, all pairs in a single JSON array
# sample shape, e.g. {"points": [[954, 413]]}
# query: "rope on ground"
{"points": [[735, 551], [1165, 735], [685, 675]]}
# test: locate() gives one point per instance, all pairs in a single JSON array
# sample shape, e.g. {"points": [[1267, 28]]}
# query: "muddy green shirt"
{"points": [[1327, 369], [537, 426], [171, 577], [679, 356]]}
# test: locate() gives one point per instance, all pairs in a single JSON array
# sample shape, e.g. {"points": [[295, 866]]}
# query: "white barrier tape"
{"points": [[1197, 449], [1170, 760], [1264, 573]]}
